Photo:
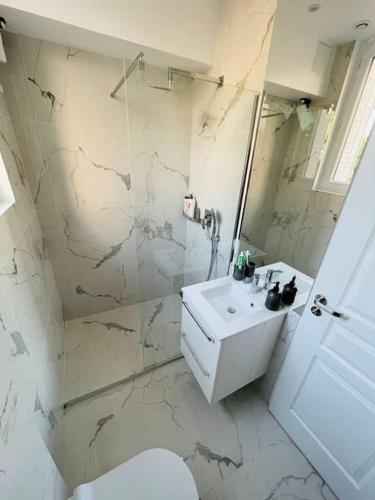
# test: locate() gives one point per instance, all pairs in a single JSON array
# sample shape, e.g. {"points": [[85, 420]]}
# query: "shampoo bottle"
{"points": [[289, 292], [273, 298]]}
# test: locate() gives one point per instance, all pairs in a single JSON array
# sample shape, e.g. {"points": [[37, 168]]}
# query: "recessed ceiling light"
{"points": [[361, 25], [314, 7]]}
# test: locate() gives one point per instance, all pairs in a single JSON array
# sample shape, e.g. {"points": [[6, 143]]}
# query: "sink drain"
{"points": [[231, 310]]}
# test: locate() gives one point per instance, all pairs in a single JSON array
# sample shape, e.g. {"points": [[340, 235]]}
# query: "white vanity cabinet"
{"points": [[227, 350], [224, 366]]}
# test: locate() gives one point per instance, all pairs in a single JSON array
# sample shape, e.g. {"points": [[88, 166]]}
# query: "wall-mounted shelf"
{"points": [[198, 221]]}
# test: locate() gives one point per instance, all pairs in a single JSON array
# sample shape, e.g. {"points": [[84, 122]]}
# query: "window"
{"points": [[348, 134], [358, 133], [6, 193]]}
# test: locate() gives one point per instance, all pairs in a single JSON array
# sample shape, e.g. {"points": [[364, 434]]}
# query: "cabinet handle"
{"points": [[210, 339], [205, 372]]}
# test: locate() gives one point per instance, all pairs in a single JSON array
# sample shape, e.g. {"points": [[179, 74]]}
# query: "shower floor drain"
{"points": [[231, 310]]}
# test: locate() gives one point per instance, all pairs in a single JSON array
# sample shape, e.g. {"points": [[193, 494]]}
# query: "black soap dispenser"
{"points": [[273, 298], [289, 292]]}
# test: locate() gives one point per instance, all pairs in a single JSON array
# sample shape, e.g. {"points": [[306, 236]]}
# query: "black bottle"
{"points": [[289, 292], [273, 298]]}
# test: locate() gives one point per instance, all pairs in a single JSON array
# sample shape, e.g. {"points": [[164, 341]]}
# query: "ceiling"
{"points": [[297, 35], [332, 23]]}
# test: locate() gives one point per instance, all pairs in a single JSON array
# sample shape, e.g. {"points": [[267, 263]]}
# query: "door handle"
{"points": [[321, 305]]}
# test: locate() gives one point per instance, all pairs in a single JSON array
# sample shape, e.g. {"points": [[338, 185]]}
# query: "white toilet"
{"points": [[154, 474]]}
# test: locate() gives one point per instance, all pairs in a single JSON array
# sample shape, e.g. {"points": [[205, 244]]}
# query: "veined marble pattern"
{"points": [[235, 449], [243, 40], [31, 352], [160, 329], [108, 176], [102, 348], [220, 132], [266, 383]]}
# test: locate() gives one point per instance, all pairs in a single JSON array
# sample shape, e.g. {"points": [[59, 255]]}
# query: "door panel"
{"points": [[350, 442], [325, 394], [360, 297]]}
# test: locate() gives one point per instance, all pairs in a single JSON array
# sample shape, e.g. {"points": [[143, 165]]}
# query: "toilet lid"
{"points": [[155, 474]]}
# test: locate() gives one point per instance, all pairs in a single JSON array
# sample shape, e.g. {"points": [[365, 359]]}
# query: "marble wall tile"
{"points": [[65, 278], [107, 288], [96, 238], [158, 163], [31, 354], [154, 282], [242, 60], [88, 167], [155, 111], [29, 140], [71, 86]]}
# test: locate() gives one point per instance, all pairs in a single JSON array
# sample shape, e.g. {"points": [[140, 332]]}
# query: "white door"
{"points": [[325, 395]]}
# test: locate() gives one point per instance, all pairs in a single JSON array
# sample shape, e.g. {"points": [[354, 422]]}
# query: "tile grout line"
{"points": [[72, 402]]}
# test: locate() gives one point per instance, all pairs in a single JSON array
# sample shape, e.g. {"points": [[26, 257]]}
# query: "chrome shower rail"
{"points": [[219, 81], [138, 61]]}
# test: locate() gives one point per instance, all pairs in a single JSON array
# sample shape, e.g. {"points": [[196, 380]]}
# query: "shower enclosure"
{"points": [[108, 169]]}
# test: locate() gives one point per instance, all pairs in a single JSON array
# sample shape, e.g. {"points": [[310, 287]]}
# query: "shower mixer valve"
{"points": [[209, 215]]}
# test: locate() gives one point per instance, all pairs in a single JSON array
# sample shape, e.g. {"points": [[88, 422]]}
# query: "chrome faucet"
{"points": [[269, 276], [254, 283]]}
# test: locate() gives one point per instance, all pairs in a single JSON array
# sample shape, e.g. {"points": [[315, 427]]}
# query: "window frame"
{"points": [[359, 67]]}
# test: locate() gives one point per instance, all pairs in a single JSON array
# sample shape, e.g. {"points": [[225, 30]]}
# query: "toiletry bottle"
{"points": [[273, 298], [191, 208], [289, 292], [187, 201]]}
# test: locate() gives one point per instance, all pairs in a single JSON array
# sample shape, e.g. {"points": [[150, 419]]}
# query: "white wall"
{"points": [[293, 51], [119, 28]]}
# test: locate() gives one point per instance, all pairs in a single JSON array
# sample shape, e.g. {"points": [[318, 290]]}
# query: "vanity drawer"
{"points": [[203, 375], [203, 347]]}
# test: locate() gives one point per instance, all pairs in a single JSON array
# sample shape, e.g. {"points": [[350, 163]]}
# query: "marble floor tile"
{"points": [[101, 349], [235, 449]]}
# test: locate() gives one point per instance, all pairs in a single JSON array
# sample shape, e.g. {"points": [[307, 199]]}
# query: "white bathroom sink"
{"points": [[231, 301], [226, 306]]}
